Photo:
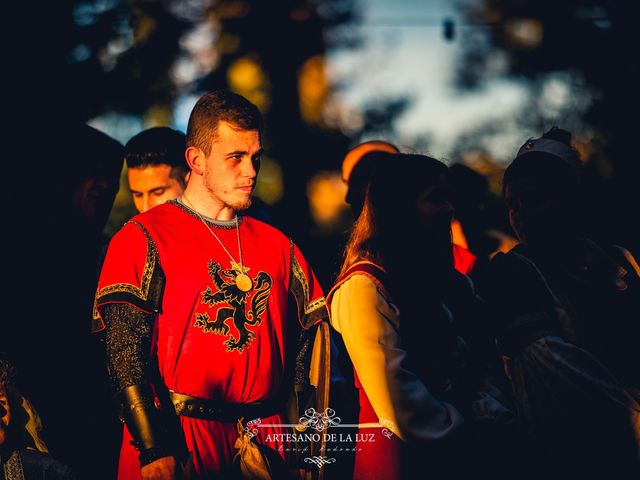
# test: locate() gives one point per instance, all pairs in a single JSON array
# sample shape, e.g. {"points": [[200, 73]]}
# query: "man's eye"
{"points": [[159, 192], [137, 195]]}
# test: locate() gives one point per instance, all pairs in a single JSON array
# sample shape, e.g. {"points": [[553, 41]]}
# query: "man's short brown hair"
{"points": [[217, 106]]}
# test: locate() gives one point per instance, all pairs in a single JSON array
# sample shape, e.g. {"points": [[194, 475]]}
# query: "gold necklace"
{"points": [[243, 281]]}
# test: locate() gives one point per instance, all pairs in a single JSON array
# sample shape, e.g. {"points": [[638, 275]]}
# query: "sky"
{"points": [[405, 53]]}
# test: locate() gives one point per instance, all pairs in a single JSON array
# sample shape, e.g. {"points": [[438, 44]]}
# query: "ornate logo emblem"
{"points": [[318, 420], [234, 306]]}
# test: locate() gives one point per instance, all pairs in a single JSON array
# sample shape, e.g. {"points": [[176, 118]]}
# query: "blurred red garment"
{"points": [[463, 259]]}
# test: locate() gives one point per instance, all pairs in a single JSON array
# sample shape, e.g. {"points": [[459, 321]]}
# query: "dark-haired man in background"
{"points": [[157, 169]]}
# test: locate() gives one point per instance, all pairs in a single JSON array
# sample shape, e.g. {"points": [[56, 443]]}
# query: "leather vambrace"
{"points": [[148, 424]]}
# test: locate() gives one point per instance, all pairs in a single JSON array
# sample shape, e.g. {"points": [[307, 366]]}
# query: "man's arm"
{"points": [[306, 290], [128, 302]]}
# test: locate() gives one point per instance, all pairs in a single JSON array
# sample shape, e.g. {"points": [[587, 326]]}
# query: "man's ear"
{"points": [[195, 159]]}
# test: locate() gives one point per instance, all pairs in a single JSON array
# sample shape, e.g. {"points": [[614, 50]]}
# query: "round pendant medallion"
{"points": [[243, 282]]}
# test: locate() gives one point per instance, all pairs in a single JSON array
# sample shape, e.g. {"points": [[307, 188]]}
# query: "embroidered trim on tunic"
{"points": [[141, 292], [302, 280], [308, 313], [186, 209], [13, 468]]}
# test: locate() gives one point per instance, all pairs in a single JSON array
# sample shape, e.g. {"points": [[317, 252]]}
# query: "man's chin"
{"points": [[241, 205]]}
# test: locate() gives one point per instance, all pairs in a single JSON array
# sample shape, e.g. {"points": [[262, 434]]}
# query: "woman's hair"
{"points": [[392, 191]]}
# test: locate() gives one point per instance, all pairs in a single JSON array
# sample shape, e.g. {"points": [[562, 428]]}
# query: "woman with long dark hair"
{"points": [[388, 305]]}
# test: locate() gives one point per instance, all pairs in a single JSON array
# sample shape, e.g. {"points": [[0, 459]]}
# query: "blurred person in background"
{"points": [[356, 169], [394, 305], [23, 455], [56, 355], [566, 310], [157, 170], [597, 284]]}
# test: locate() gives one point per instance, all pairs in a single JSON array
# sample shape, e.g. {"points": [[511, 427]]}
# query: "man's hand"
{"points": [[165, 468]]}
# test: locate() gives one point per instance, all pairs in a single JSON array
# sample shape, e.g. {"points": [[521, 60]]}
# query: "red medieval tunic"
{"points": [[211, 340]]}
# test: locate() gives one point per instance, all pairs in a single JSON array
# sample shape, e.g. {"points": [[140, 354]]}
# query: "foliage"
{"points": [[582, 46]]}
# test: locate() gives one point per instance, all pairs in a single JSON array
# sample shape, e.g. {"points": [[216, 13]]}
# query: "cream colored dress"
{"points": [[369, 326]]}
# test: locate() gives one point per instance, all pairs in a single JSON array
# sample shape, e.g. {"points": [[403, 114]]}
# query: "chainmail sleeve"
{"points": [[128, 344], [128, 300]]}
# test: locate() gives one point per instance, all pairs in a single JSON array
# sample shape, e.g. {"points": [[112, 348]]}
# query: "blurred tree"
{"points": [[147, 58], [119, 56], [574, 57], [379, 116], [143, 57]]}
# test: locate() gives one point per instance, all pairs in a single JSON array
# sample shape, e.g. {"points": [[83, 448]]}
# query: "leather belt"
{"points": [[194, 407]]}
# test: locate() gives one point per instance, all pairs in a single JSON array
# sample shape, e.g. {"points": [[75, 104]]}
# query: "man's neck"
{"points": [[200, 200]]}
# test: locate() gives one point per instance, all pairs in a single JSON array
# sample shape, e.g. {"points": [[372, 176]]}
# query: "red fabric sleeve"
{"points": [[131, 273]]}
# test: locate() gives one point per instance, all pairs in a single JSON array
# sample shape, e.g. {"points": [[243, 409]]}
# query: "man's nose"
{"points": [[249, 169]]}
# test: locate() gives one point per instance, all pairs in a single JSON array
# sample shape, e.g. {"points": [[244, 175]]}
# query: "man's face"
{"points": [[435, 209], [5, 416], [231, 168], [434, 214], [533, 212], [152, 185]]}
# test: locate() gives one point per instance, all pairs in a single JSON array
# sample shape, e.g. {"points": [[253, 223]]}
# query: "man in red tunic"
{"points": [[194, 299]]}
